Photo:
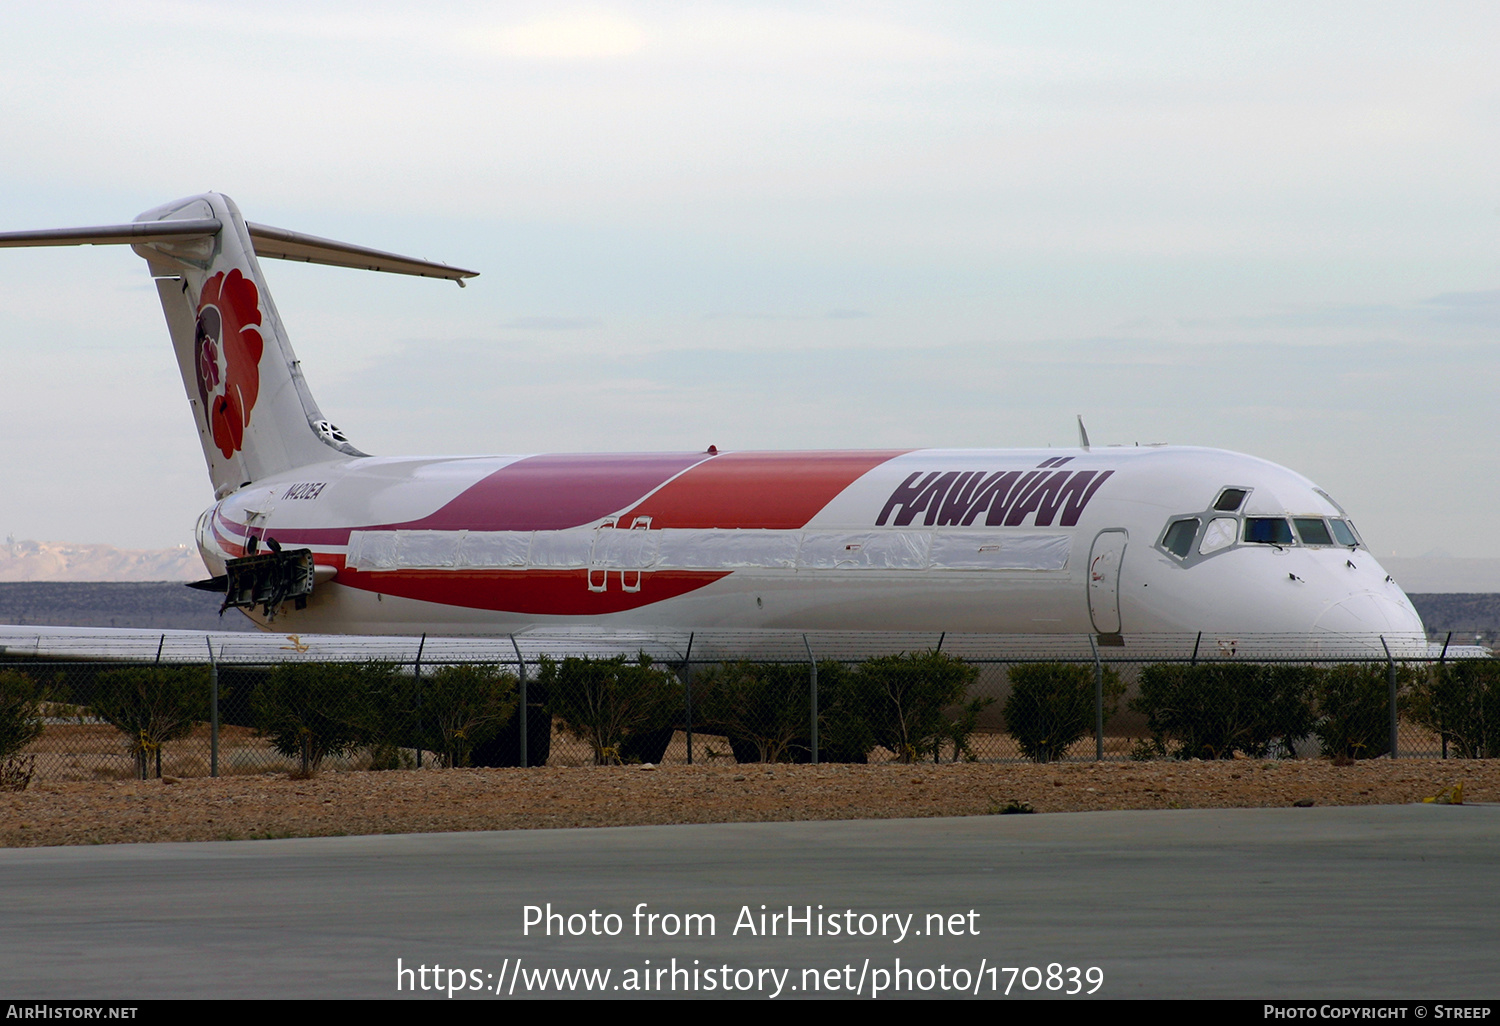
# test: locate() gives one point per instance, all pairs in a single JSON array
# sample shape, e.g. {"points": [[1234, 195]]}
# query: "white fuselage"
{"points": [[1111, 544], [480, 546]]}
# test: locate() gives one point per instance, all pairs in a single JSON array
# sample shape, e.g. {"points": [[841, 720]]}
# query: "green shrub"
{"points": [[1460, 702], [764, 710], [20, 712], [451, 711], [905, 698], [504, 747], [1214, 710], [151, 705], [608, 702], [845, 731], [1051, 706], [389, 722], [463, 707], [311, 711], [1354, 708], [960, 731]]}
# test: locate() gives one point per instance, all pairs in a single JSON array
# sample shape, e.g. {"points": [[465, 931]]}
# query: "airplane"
{"points": [[1124, 546]]}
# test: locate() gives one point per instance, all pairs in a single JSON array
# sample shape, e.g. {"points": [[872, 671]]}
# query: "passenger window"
{"points": [[1220, 534], [1312, 531], [1342, 532], [1229, 500], [1268, 531], [1179, 537]]}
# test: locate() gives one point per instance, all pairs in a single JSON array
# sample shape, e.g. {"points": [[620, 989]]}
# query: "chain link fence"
{"points": [[200, 706]]}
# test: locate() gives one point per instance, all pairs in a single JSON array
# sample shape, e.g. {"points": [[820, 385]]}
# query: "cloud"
{"points": [[586, 35], [1447, 316], [552, 323], [1478, 309]]}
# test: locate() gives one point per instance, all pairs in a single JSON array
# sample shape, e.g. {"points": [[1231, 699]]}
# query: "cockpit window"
{"points": [[1312, 531], [1268, 530], [1341, 531], [1220, 534], [1229, 500], [1179, 537]]}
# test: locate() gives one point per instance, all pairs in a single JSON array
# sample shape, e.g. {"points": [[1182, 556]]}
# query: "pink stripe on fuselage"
{"points": [[554, 492], [539, 493]]}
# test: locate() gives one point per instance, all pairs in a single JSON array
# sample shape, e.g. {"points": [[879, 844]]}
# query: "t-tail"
{"points": [[254, 412]]}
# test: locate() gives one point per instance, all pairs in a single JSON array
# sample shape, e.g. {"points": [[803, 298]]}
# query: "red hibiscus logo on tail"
{"points": [[226, 348]]}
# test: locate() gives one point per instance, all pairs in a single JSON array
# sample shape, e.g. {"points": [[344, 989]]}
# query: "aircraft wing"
{"points": [[108, 644], [664, 645]]}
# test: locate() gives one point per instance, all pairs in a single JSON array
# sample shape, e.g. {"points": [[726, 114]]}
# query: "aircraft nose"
{"points": [[1371, 613]]}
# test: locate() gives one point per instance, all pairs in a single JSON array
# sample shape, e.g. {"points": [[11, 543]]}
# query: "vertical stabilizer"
{"points": [[254, 413]]}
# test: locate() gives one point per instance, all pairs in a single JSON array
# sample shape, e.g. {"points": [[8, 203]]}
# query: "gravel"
{"points": [[431, 800]]}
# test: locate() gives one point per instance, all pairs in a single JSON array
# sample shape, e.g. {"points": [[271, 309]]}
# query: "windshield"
{"points": [[1268, 531], [1179, 537], [1342, 531], [1312, 531]]}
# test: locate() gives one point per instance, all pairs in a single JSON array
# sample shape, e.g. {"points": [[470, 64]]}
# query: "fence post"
{"points": [[687, 695], [417, 682], [1390, 664], [1442, 660], [1098, 703], [813, 686], [213, 709], [521, 672]]}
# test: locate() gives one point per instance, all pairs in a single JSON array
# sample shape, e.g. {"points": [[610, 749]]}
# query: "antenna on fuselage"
{"points": [[1083, 435]]}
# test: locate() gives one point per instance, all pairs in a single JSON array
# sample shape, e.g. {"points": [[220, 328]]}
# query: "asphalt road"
{"points": [[1371, 902]]}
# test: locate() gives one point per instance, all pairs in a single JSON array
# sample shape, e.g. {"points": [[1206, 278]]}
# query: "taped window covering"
{"points": [[987, 550], [503, 549], [716, 549], [865, 550], [707, 549], [561, 550], [372, 550], [624, 549], [427, 549]]}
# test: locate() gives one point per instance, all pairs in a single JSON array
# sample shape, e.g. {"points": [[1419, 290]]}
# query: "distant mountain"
{"points": [[1436, 573], [1473, 618], [77, 561]]}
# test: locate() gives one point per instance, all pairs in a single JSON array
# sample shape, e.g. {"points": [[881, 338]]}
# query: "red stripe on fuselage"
{"points": [[533, 592], [767, 490]]}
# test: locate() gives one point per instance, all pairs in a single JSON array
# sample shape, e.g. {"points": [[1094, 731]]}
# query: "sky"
{"points": [[1266, 227]]}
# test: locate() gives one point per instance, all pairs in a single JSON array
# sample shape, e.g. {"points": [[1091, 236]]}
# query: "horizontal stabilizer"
{"points": [[285, 245], [268, 242], [115, 234]]}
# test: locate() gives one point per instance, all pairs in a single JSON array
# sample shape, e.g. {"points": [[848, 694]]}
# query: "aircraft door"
{"points": [[1104, 580]]}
